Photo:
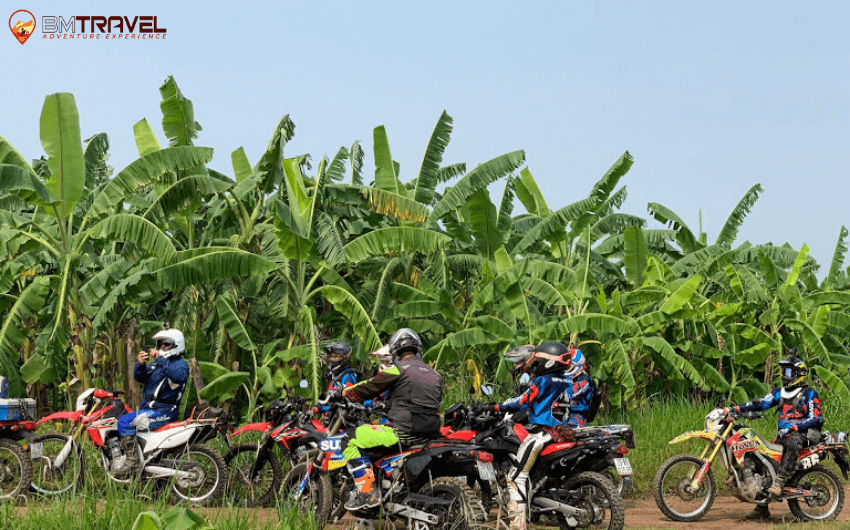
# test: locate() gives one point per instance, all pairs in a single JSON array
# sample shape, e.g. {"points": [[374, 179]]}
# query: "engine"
{"points": [[754, 478]]}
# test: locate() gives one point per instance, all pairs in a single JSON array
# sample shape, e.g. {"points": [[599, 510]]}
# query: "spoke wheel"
{"points": [[602, 504], [465, 510], [672, 489], [50, 479], [317, 496], [15, 470], [829, 490], [204, 482], [243, 488]]}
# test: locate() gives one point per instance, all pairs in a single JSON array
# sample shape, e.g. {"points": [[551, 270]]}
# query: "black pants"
{"points": [[791, 446]]}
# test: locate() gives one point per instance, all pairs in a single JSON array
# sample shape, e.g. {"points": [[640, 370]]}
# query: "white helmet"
{"points": [[383, 354], [170, 337]]}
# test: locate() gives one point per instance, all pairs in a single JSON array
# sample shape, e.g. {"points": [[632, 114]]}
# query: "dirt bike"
{"points": [[254, 471], [174, 454], [16, 425], [417, 486], [567, 482], [684, 487]]}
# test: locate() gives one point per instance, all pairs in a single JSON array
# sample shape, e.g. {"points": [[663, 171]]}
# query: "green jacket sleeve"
{"points": [[373, 387]]}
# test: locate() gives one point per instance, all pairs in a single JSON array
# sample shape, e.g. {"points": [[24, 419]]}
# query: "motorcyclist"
{"points": [[576, 401], [547, 365], [799, 420], [414, 411], [164, 381], [340, 374]]}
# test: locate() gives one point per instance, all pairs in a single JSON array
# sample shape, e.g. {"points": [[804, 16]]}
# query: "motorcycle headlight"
{"points": [[83, 398], [714, 420]]}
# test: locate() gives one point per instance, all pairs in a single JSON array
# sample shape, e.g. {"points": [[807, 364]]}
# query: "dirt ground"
{"points": [[725, 514]]}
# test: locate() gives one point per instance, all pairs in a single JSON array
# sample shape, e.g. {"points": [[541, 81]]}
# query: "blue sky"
{"points": [[708, 99]]}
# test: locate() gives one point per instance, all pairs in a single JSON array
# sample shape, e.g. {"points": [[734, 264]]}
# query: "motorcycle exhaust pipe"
{"points": [[162, 472]]}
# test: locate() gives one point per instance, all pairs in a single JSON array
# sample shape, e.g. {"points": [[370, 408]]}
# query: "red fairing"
{"points": [[464, 436], [102, 394], [318, 426], [73, 415], [445, 431], [262, 427], [172, 425], [94, 434], [520, 431], [554, 448]]}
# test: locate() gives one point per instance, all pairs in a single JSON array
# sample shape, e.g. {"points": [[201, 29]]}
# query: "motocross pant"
{"points": [[791, 444], [368, 437], [526, 456], [145, 420]]}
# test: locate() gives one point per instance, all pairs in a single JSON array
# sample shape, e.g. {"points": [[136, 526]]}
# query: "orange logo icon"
{"points": [[23, 26]]}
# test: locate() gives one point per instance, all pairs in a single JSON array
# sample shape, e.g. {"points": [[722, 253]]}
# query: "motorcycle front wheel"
{"points": [[672, 489], [257, 490], [48, 478], [316, 496], [828, 488]]}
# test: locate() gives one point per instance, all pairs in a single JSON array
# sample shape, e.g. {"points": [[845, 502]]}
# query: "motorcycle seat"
{"points": [[172, 425]]}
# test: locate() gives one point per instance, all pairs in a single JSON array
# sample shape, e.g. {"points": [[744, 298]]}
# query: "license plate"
{"points": [[486, 471], [36, 450], [624, 467]]}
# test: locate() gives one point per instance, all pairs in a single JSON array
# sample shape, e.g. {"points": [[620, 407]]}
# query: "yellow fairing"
{"points": [[690, 435]]}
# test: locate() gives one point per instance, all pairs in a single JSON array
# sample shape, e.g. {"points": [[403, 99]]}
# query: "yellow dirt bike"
{"points": [[684, 487]]}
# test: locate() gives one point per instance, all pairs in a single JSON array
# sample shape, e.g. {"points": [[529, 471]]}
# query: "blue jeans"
{"points": [[158, 418]]}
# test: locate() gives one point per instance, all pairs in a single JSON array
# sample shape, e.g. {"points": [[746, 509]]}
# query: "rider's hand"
{"points": [[154, 353], [143, 357]]}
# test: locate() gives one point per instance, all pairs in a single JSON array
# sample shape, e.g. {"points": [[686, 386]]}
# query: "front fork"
{"points": [[262, 456], [718, 443]]}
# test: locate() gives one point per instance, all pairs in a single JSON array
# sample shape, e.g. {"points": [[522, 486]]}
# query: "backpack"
{"points": [[595, 402]]}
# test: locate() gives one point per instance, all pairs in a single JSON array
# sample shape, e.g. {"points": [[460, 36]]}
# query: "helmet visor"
{"points": [[788, 372], [165, 344]]}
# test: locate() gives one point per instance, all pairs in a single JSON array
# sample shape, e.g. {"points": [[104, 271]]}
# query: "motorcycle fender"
{"points": [[841, 459], [73, 415], [261, 427], [690, 435], [167, 439]]}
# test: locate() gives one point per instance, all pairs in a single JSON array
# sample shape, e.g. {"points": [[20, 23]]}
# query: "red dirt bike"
{"points": [[568, 481], [15, 463], [684, 487], [254, 471], [174, 454], [419, 485]]}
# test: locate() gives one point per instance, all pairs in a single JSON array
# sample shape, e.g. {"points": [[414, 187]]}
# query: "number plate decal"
{"points": [[485, 469], [624, 467], [36, 450]]}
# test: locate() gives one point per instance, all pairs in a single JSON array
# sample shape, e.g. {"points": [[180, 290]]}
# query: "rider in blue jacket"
{"points": [[164, 381], [555, 382], [799, 412]]}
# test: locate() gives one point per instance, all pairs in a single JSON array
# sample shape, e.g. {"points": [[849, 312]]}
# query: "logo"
{"points": [[329, 445], [22, 24]]}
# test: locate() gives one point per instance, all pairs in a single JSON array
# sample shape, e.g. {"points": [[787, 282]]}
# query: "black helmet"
{"points": [[521, 357], [404, 341], [550, 358], [794, 371], [337, 348]]}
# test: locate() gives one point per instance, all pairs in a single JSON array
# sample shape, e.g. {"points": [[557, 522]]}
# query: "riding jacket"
{"points": [[577, 399], [414, 400], [798, 411], [541, 399], [164, 381]]}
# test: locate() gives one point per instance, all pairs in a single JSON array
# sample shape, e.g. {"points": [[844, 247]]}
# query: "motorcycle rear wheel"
{"points": [[206, 483], [601, 496], [15, 470], [466, 510], [823, 481], [679, 470]]}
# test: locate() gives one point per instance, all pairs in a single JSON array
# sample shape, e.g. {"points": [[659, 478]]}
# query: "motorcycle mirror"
{"points": [[487, 390], [524, 379], [303, 383]]}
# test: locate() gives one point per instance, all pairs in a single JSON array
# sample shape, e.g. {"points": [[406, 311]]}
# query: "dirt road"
{"points": [[726, 513]]}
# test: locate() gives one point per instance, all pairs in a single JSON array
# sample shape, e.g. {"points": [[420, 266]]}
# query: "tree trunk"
{"points": [[131, 388]]}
